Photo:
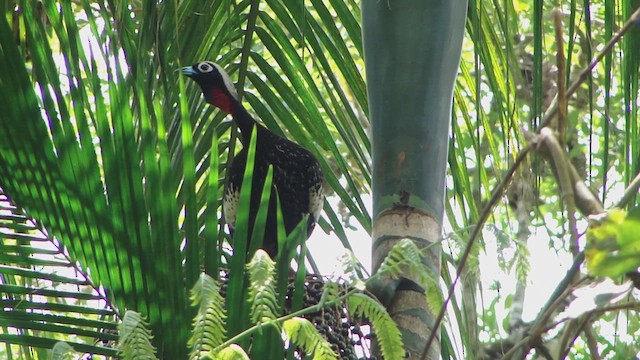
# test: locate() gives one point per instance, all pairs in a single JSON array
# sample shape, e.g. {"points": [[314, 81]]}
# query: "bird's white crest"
{"points": [[207, 66]]}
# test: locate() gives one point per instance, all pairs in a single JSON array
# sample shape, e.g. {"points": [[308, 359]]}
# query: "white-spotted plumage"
{"points": [[230, 201], [297, 176], [316, 200]]}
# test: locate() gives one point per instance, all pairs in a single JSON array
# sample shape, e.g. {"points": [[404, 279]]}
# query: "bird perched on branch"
{"points": [[296, 173]]}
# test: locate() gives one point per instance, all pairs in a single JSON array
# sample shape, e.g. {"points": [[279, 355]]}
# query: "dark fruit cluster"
{"points": [[345, 334], [349, 338]]}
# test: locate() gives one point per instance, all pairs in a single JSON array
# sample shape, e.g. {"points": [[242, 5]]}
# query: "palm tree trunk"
{"points": [[412, 51]]}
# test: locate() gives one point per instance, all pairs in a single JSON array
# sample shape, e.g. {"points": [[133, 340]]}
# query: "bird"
{"points": [[297, 175]]}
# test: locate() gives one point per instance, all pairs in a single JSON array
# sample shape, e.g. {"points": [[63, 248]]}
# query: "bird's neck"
{"points": [[246, 123]]}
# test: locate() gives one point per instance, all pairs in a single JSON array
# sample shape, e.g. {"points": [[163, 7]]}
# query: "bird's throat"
{"points": [[221, 100]]}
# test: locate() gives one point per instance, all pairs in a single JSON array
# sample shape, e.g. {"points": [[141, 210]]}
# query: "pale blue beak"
{"points": [[188, 70]]}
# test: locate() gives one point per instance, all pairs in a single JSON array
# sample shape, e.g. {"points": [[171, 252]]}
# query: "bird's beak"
{"points": [[188, 70]]}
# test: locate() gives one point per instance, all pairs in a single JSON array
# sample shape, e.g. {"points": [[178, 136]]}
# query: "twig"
{"points": [[592, 343], [562, 82], [566, 281], [537, 331], [561, 169], [554, 302], [629, 192], [569, 335], [585, 200], [526, 340]]}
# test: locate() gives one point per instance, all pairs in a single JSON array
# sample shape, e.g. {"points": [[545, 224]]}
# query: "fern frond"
{"points": [[262, 291], [387, 333], [62, 351], [522, 257], [433, 292], [350, 267], [232, 352], [135, 338], [302, 333], [330, 291], [405, 260], [404, 257], [209, 322]]}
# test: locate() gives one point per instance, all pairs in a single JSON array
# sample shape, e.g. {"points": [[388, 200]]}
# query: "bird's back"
{"points": [[297, 176]]}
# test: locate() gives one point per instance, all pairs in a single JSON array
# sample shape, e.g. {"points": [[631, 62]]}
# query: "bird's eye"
{"points": [[205, 67]]}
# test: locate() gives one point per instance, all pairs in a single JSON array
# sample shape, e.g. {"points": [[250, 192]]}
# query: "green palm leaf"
{"points": [[118, 166]]}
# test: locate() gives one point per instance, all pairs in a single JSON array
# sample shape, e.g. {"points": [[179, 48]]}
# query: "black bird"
{"points": [[296, 172]]}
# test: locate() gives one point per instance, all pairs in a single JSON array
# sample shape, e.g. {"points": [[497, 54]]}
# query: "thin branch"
{"points": [[553, 304], [538, 328], [629, 192], [571, 333], [527, 339], [562, 86], [592, 343], [561, 166], [565, 187]]}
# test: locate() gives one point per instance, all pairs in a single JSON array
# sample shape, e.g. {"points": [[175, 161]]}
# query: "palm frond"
{"points": [[44, 293]]}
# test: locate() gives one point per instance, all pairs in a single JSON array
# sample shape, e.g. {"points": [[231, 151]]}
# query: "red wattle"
{"points": [[221, 100]]}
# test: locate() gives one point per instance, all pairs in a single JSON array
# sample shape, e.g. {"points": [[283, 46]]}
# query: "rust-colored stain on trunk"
{"points": [[400, 163]]}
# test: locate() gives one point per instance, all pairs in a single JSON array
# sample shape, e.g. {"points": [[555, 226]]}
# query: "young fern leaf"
{"points": [[351, 269], [209, 322], [262, 291], [435, 300], [404, 257], [330, 291], [405, 260], [302, 333], [135, 338], [232, 352], [62, 351], [387, 333]]}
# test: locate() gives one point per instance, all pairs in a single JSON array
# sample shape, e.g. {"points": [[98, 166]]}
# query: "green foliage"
{"points": [[613, 243], [116, 157], [302, 333], [209, 323], [405, 260], [100, 150], [237, 284], [135, 338], [262, 292], [404, 257], [62, 351], [41, 296], [387, 333], [352, 269], [232, 352]]}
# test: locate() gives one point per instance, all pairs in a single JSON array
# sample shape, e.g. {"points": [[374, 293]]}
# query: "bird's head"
{"points": [[217, 87]]}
